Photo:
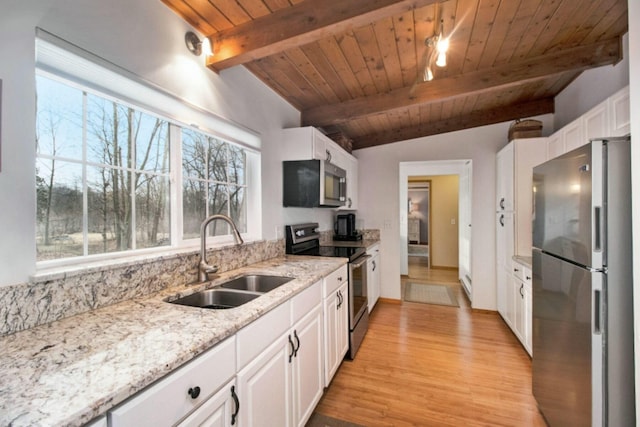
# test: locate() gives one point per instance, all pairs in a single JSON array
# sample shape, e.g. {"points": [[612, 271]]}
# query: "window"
{"points": [[114, 177]]}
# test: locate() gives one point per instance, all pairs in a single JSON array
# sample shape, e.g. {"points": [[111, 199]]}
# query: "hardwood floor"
{"points": [[430, 365]]}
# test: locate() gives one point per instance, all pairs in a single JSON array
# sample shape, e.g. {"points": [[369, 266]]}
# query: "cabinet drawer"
{"points": [[306, 301], [522, 273], [168, 400], [255, 337], [334, 280]]}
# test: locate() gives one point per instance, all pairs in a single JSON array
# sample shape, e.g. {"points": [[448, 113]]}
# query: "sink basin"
{"points": [[216, 299], [256, 283]]}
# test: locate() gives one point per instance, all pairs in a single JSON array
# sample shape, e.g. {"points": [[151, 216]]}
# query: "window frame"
{"points": [[69, 65]]}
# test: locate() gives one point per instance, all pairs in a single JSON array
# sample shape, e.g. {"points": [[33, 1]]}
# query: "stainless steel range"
{"points": [[304, 239]]}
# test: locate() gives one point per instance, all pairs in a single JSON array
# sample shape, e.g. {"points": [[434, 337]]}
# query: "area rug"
{"points": [[418, 250], [319, 420], [430, 294]]}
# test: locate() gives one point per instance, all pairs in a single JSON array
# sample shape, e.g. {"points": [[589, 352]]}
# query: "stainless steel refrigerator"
{"points": [[583, 373]]}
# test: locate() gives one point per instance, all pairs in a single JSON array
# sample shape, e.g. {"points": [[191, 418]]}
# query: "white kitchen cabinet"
{"points": [[619, 113], [306, 143], [504, 179], [522, 304], [513, 227], [596, 122], [283, 384], [336, 321], [609, 118], [573, 135], [373, 277], [179, 393], [220, 410]]}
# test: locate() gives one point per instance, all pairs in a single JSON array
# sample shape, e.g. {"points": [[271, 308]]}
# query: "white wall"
{"points": [[379, 201], [591, 88], [142, 36]]}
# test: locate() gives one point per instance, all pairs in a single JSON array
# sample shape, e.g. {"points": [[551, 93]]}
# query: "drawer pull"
{"points": [[528, 277], [194, 392]]}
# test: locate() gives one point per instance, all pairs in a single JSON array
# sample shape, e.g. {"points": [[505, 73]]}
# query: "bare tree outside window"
{"points": [[102, 174]]}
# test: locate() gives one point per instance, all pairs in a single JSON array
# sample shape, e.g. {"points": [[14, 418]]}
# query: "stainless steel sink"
{"points": [[217, 299], [256, 283]]}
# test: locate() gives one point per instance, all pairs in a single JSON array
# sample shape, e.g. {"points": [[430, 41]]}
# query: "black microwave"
{"points": [[313, 184]]}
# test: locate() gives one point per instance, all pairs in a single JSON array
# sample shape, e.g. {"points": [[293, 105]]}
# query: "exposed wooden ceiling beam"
{"points": [[300, 24], [475, 119], [574, 59]]}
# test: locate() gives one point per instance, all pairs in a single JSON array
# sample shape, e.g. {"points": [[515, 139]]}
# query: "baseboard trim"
{"points": [[390, 300]]}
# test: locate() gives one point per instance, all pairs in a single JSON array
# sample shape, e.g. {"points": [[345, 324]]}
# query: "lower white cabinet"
{"points": [[282, 385], [373, 277], [270, 373], [173, 397], [336, 322], [515, 301], [220, 410]]}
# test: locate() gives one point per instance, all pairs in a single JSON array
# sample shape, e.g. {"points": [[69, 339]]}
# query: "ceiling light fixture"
{"points": [[438, 44], [197, 46]]}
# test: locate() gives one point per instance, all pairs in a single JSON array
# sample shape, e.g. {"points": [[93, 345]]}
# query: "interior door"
{"points": [[464, 226]]}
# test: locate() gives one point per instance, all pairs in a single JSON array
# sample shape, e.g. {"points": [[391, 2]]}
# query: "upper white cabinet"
{"points": [[619, 113], [514, 187], [306, 143], [609, 118]]}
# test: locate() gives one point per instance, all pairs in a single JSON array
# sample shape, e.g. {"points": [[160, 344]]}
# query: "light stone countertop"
{"points": [[527, 261], [70, 371]]}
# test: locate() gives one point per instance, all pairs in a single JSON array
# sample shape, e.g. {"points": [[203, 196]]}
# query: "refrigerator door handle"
{"points": [[597, 234], [597, 312]]}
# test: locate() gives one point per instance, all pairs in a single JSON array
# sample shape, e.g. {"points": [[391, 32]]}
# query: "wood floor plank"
{"points": [[431, 365]]}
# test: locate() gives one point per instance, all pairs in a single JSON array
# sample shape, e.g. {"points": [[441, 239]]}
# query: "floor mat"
{"points": [[430, 294], [319, 420]]}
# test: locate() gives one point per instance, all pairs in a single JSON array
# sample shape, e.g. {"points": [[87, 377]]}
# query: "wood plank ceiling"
{"points": [[354, 68]]}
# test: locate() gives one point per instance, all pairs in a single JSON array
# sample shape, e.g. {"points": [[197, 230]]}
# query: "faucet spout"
{"points": [[204, 268]]}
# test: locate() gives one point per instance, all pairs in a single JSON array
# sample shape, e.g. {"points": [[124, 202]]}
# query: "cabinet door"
{"points": [[527, 318], [331, 316], [264, 387], [352, 183], [596, 122], [620, 113], [218, 411], [504, 179], [373, 279], [510, 299], [504, 240], [501, 291], [342, 325], [555, 145], [308, 381], [572, 134], [518, 309]]}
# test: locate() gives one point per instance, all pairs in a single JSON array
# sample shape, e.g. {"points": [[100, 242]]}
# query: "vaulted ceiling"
{"points": [[354, 68]]}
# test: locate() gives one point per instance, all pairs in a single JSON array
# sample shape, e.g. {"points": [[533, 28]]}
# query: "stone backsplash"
{"points": [[53, 296]]}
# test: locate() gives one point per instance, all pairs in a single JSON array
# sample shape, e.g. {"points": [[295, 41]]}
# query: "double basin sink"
{"points": [[233, 293]]}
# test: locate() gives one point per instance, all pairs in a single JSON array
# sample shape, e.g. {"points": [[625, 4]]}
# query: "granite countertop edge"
{"points": [[70, 371]]}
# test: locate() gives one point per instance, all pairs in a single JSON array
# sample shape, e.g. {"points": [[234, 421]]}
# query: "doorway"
{"points": [[461, 169]]}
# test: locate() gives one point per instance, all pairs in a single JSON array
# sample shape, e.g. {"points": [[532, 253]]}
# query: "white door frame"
{"points": [[428, 168]]}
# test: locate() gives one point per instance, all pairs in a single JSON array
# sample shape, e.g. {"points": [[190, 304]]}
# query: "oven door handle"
{"points": [[359, 261]]}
